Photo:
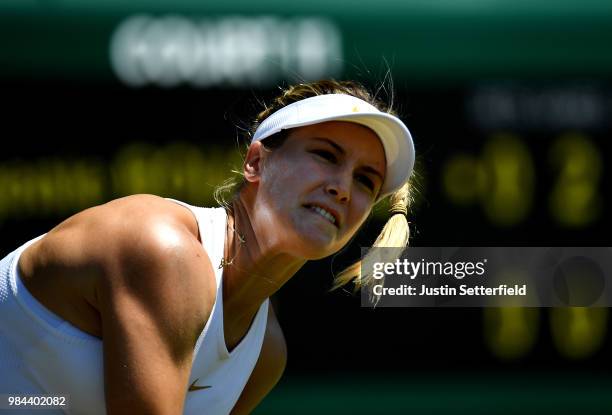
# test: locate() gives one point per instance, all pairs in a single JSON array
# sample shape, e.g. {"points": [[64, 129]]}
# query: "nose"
{"points": [[339, 191]]}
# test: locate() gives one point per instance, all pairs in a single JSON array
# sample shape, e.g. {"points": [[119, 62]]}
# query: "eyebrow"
{"points": [[368, 169]]}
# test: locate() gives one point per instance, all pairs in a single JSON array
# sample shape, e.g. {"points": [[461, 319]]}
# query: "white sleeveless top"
{"points": [[40, 353], [226, 373]]}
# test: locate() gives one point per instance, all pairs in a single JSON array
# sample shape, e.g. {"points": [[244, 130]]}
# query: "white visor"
{"points": [[393, 134]]}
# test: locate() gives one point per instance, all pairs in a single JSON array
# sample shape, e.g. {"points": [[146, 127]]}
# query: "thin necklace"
{"points": [[226, 263]]}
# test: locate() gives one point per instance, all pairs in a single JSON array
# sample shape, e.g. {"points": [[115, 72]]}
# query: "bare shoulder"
{"points": [[150, 246], [142, 244], [102, 232]]}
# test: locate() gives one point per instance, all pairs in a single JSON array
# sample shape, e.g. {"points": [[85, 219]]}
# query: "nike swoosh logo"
{"points": [[194, 387]]}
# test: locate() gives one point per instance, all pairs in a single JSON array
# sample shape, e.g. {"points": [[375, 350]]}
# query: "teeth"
{"points": [[324, 213]]}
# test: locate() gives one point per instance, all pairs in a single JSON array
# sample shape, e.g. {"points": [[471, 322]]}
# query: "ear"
{"points": [[253, 162]]}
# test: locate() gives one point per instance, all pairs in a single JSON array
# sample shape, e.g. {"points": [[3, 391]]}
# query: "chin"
{"points": [[313, 240], [316, 249]]}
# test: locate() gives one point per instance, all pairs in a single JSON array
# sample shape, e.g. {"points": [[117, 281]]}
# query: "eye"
{"points": [[366, 181], [327, 155]]}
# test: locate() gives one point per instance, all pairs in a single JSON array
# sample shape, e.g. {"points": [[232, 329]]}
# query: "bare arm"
{"points": [[268, 370], [153, 291], [150, 323], [153, 308]]}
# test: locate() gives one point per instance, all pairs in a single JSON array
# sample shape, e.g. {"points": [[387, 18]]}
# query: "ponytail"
{"points": [[394, 234]]}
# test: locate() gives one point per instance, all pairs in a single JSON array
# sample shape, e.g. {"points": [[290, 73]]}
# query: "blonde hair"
{"points": [[395, 233]]}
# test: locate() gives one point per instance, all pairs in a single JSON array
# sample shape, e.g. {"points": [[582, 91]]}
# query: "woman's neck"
{"points": [[257, 270]]}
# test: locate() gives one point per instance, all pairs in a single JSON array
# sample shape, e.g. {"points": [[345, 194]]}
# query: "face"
{"points": [[317, 189]]}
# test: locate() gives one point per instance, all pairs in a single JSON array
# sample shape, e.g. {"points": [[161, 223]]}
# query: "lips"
{"points": [[326, 212]]}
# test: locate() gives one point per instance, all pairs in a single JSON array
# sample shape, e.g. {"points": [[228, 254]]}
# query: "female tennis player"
{"points": [[147, 305]]}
